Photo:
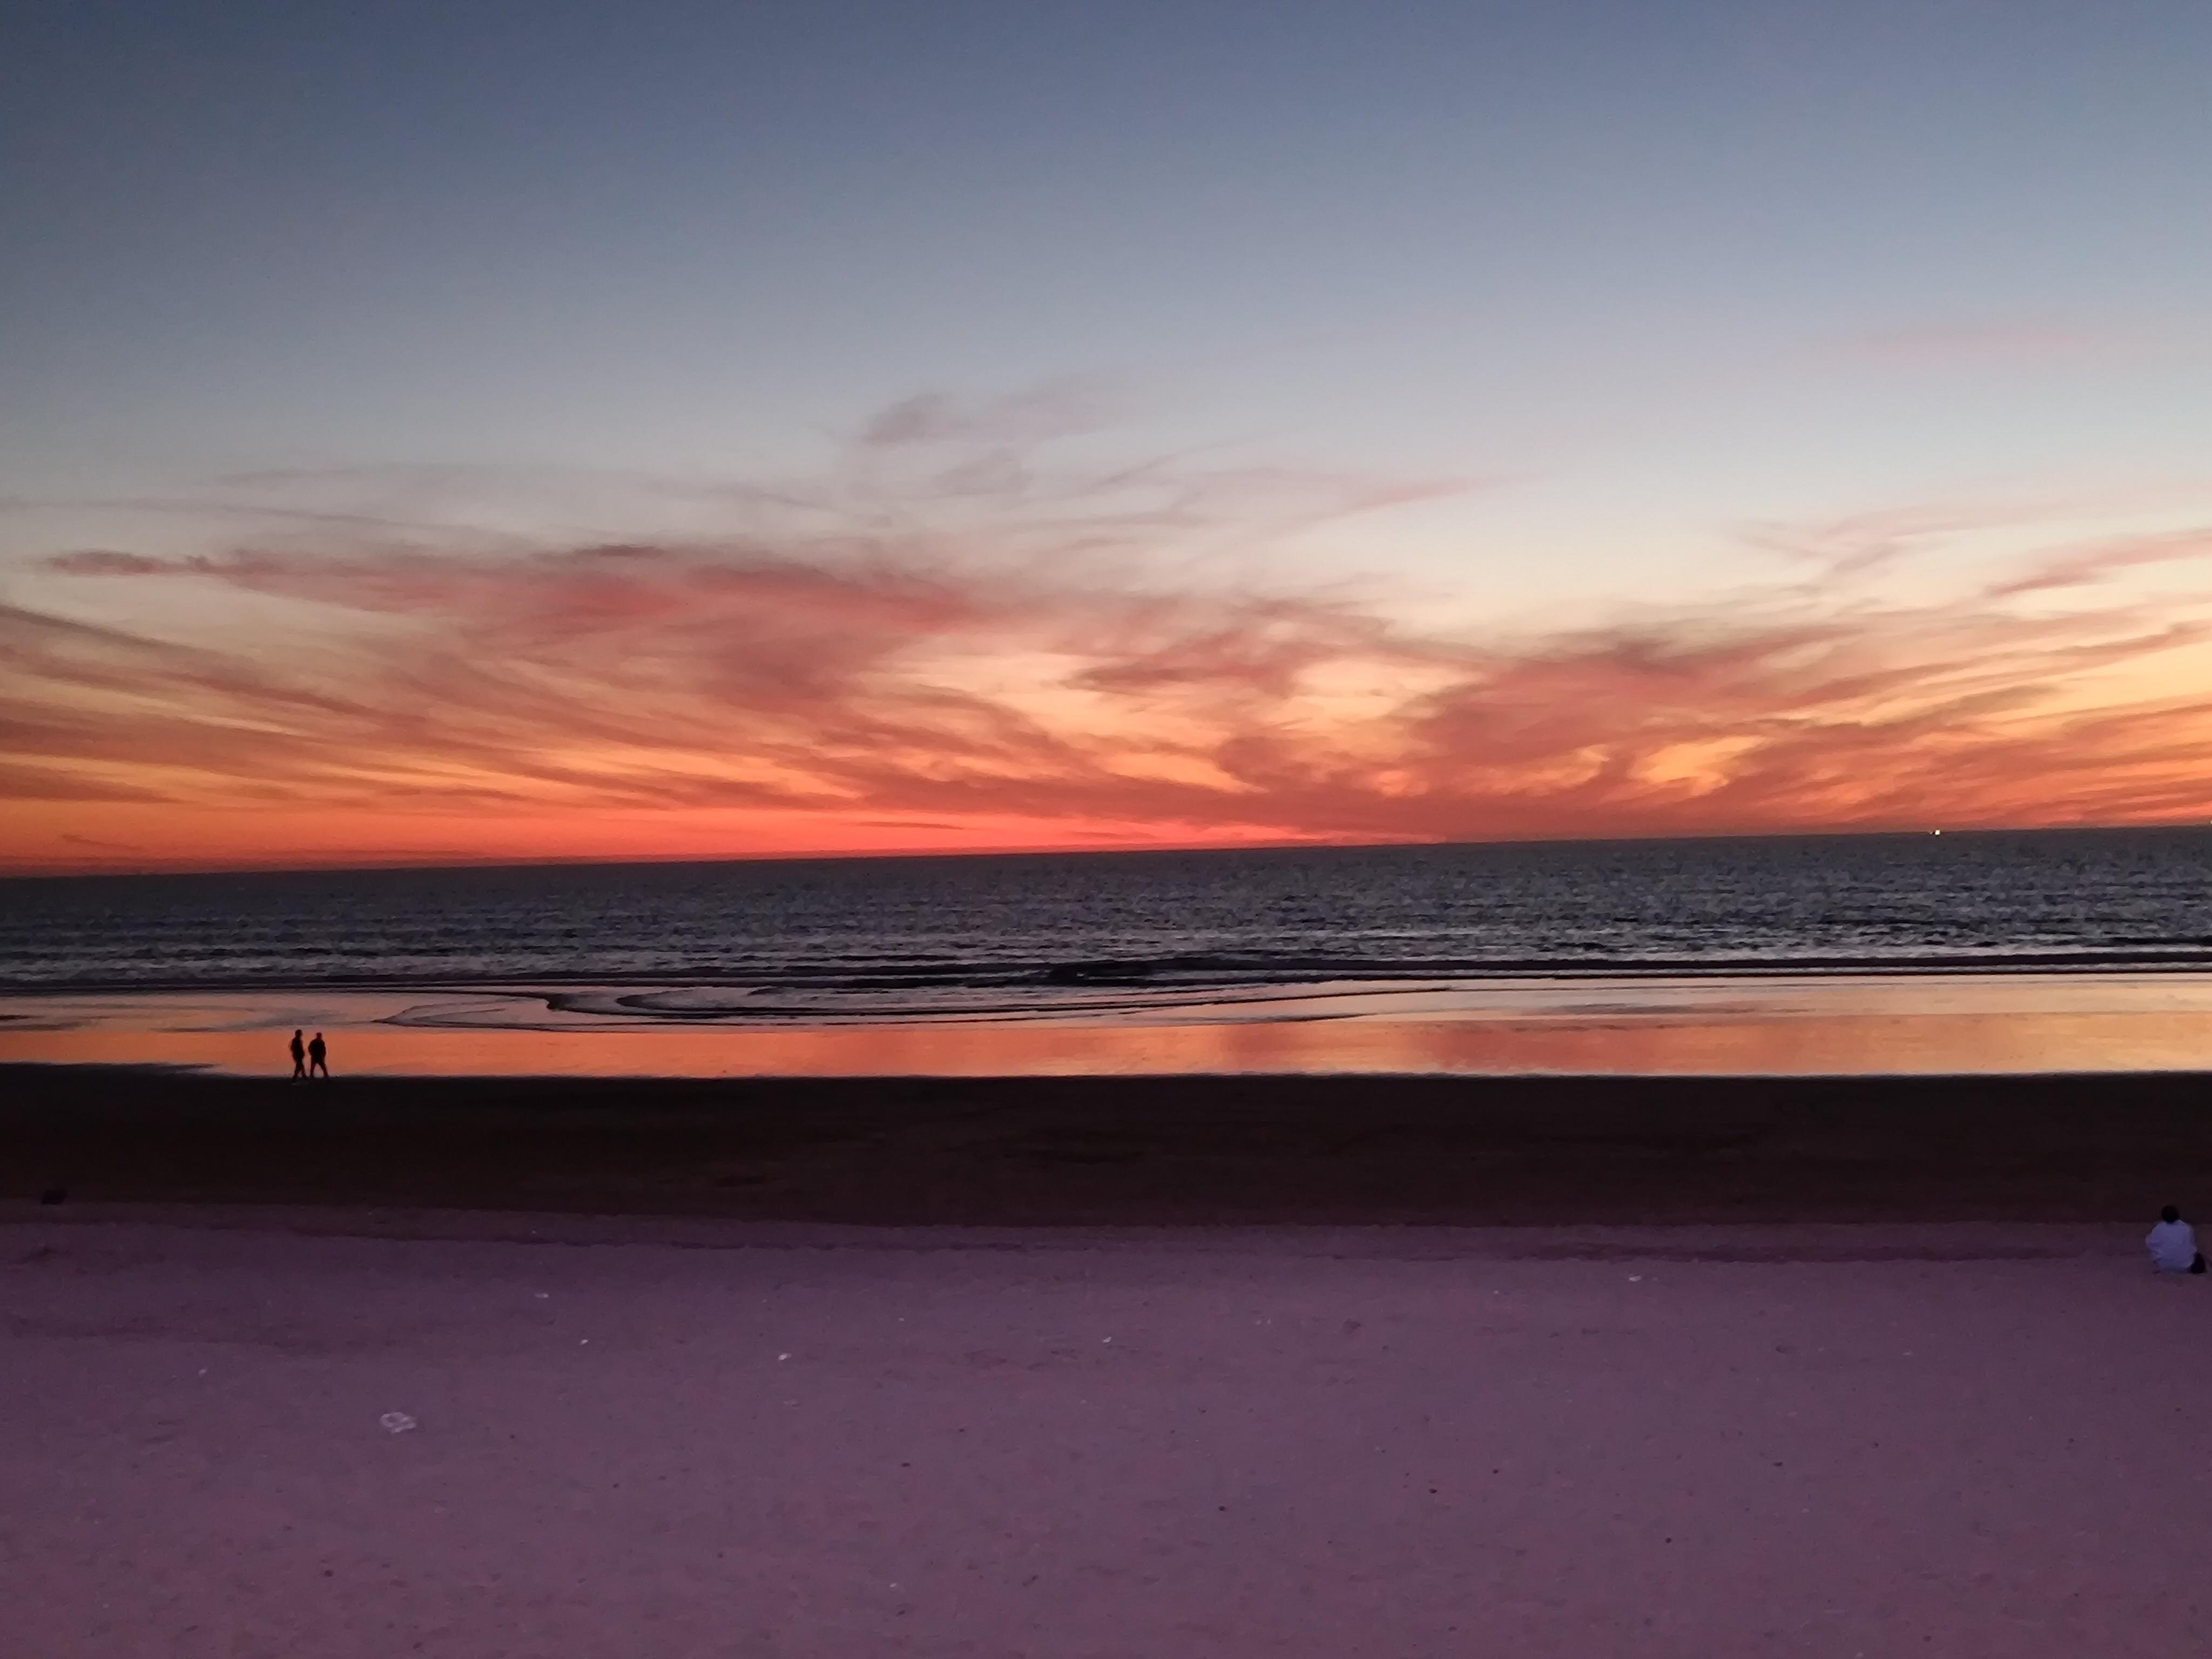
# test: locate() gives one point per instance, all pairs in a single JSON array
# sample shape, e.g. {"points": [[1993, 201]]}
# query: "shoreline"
{"points": [[1807, 1026], [1232, 973], [1222, 1152]]}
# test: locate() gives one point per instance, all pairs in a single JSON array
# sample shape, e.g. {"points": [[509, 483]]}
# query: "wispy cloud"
{"points": [[2100, 561], [1030, 670], [1864, 543], [1056, 408], [1952, 340], [672, 680]]}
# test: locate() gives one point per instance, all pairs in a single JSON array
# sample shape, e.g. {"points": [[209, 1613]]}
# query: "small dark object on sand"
{"points": [[54, 1195]]}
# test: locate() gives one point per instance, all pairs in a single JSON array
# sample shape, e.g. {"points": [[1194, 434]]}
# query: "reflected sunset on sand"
{"points": [[1809, 1025]]}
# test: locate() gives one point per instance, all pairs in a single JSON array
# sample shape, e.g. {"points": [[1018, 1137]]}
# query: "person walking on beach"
{"points": [[2172, 1244], [318, 1058], [299, 1056]]}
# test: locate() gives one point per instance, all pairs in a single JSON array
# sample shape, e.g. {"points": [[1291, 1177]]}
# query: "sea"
{"points": [[1964, 951]]}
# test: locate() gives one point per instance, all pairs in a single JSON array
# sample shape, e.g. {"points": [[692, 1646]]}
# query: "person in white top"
{"points": [[2172, 1244]]}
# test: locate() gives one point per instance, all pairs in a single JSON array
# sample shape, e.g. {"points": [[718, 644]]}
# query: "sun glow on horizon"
{"points": [[353, 700]]}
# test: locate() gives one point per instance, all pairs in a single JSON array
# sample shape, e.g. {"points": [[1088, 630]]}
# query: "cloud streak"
{"points": [[887, 675], [670, 681]]}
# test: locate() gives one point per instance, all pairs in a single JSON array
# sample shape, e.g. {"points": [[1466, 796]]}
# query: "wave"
{"points": [[1195, 972], [828, 1003]]}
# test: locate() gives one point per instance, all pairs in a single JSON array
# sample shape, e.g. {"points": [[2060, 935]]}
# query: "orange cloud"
{"points": [[702, 699], [952, 642]]}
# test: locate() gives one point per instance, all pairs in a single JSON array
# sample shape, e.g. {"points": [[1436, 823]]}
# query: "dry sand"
{"points": [[697, 1437]]}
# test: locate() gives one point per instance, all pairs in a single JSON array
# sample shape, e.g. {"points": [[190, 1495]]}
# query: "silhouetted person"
{"points": [[298, 1057], [2172, 1244], [318, 1057]]}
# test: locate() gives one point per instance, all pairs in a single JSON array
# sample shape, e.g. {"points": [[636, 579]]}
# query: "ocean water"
{"points": [[1618, 936]]}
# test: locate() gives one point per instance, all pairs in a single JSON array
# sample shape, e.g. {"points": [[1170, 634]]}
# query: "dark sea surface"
{"points": [[931, 935]]}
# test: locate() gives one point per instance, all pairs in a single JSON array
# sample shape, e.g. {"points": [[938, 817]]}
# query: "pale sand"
{"points": [[1869, 1440]]}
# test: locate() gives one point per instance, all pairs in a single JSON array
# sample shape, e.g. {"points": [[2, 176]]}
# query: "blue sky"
{"points": [[1429, 237]]}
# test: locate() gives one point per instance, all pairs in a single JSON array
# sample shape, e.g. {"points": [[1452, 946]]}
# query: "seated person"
{"points": [[2172, 1244]]}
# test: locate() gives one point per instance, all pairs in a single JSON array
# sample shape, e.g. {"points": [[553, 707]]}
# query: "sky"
{"points": [[567, 430]]}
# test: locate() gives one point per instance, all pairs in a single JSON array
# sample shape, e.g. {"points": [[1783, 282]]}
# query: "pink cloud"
{"points": [[894, 683], [2080, 566]]}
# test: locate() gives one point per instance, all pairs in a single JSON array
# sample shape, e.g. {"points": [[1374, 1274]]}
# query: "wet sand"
{"points": [[1708, 1025], [1103, 1150], [625, 1437]]}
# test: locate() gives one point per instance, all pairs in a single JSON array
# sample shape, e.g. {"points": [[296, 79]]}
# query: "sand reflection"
{"points": [[1781, 1026]]}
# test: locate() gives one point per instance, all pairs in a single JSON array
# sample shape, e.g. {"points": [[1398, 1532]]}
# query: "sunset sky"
{"points": [[592, 431]]}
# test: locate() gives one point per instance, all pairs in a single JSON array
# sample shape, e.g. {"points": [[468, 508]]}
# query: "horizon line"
{"points": [[372, 864]]}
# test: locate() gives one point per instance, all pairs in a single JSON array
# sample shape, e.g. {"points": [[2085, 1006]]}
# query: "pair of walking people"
{"points": [[309, 1058]]}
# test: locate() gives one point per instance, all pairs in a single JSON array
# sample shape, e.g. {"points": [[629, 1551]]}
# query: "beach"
{"points": [[1126, 1151], [478, 1435], [1076, 832], [1099, 1366]]}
